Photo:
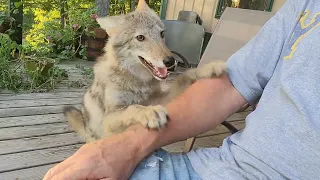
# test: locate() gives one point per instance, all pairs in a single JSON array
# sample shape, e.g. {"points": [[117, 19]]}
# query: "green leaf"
{"points": [[18, 4], [16, 11]]}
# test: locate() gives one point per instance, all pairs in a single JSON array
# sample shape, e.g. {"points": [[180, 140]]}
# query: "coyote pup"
{"points": [[126, 86]]}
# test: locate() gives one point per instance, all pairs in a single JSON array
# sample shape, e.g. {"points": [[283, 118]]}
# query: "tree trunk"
{"points": [[17, 14], [66, 15], [123, 8], [103, 7], [62, 13], [132, 5]]}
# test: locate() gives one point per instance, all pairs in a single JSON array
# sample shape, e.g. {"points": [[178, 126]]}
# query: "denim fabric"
{"points": [[162, 165]]}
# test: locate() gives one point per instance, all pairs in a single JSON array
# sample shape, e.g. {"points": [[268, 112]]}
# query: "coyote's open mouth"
{"points": [[158, 73]]}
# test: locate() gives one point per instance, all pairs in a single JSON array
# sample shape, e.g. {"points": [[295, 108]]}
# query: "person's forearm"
{"points": [[201, 107]]}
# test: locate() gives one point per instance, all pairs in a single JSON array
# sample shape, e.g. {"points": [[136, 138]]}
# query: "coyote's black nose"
{"points": [[169, 61]]}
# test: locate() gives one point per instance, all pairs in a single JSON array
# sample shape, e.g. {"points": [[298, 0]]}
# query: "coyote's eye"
{"points": [[140, 38], [162, 34]]}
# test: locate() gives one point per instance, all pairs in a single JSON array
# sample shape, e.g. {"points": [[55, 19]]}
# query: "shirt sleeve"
{"points": [[250, 68]]}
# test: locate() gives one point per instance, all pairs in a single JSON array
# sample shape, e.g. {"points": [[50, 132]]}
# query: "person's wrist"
{"points": [[142, 140]]}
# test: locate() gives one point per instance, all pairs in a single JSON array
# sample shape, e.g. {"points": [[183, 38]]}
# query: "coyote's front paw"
{"points": [[210, 70], [154, 117]]}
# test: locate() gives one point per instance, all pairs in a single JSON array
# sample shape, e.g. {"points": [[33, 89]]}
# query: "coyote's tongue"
{"points": [[162, 72]]}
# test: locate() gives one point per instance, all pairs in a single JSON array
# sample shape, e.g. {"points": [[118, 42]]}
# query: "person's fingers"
{"points": [[58, 168], [76, 173], [71, 173]]}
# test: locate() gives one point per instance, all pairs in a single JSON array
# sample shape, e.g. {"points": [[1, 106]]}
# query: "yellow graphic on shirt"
{"points": [[302, 30]]}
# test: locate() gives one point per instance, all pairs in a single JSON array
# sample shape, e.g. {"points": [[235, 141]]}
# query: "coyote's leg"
{"points": [[189, 77], [154, 117]]}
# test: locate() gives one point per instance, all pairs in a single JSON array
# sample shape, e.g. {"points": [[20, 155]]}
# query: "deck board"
{"points": [[57, 95], [39, 102], [11, 162], [40, 142], [34, 173], [28, 111], [34, 134], [31, 120], [34, 130]]}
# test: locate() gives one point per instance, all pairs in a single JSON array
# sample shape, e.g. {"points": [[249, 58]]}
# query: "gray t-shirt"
{"points": [[281, 139]]}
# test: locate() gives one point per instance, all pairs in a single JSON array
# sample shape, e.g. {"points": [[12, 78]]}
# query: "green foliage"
{"points": [[123, 6], [53, 31], [43, 74], [5, 19], [87, 72], [44, 21], [8, 47], [8, 24], [155, 5], [19, 72], [50, 39], [9, 77], [3, 5], [83, 18]]}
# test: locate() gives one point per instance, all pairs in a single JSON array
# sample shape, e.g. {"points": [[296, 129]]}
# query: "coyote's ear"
{"points": [[142, 6], [110, 23]]}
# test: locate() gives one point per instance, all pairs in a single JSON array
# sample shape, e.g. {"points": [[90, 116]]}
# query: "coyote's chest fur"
{"points": [[121, 88], [113, 104], [113, 90], [122, 92]]}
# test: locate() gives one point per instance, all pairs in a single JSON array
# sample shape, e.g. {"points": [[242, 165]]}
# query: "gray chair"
{"points": [[189, 16], [185, 40]]}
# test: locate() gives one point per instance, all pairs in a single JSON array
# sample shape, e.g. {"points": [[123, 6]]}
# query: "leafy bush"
{"points": [[53, 31], [20, 72], [9, 77], [49, 37], [42, 73], [37, 36], [8, 47]]}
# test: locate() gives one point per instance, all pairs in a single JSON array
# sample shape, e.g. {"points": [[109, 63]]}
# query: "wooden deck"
{"points": [[34, 136]]}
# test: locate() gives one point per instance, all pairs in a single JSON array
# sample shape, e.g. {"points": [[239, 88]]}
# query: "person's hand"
{"points": [[112, 158]]}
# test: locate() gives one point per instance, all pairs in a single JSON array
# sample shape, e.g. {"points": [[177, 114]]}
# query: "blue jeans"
{"points": [[161, 165]]}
